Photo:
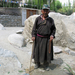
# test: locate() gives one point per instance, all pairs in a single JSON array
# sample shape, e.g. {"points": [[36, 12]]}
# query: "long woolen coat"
{"points": [[42, 30]]}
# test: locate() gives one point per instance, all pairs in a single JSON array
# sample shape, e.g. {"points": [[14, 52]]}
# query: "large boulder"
{"points": [[28, 26], [9, 62], [72, 16], [64, 29], [1, 27], [59, 40], [69, 32], [17, 40]]}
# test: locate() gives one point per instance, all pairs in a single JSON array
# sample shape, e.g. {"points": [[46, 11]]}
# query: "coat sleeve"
{"points": [[53, 29], [34, 29]]}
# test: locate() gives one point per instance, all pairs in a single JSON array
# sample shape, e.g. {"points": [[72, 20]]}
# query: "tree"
{"points": [[38, 3], [58, 4], [69, 4], [44, 1], [73, 3], [52, 5]]}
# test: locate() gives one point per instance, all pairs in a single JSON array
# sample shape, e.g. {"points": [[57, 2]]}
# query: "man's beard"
{"points": [[45, 15]]}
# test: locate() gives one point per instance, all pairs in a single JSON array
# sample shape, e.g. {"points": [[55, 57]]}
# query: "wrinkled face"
{"points": [[45, 12]]}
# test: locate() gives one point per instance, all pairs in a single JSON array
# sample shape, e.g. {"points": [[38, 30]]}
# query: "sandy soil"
{"points": [[24, 54]]}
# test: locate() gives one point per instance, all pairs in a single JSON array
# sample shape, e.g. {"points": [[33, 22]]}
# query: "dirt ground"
{"points": [[24, 54]]}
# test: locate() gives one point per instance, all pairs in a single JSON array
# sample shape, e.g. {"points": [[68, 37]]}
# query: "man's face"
{"points": [[45, 12]]}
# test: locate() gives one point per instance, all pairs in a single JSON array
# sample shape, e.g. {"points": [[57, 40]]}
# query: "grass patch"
{"points": [[8, 72], [69, 69], [20, 71]]}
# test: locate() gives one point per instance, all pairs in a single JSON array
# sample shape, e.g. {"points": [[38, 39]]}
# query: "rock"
{"points": [[57, 50], [69, 31], [30, 53], [26, 74], [65, 32], [28, 26], [1, 27], [6, 53], [8, 56], [31, 41], [17, 39], [60, 38], [27, 40], [19, 31], [72, 16], [41, 70], [67, 50], [72, 53]]}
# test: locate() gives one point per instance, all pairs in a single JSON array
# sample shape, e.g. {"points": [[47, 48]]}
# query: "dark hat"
{"points": [[45, 6]]}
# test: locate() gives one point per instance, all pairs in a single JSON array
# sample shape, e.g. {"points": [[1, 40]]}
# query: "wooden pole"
{"points": [[49, 46], [31, 57]]}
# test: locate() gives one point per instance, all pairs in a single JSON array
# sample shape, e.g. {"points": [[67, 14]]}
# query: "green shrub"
{"points": [[74, 10], [70, 11], [65, 11], [58, 4], [7, 4], [1, 4]]}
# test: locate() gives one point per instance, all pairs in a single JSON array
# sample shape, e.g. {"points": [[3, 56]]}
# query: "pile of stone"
{"points": [[65, 32], [17, 39]]}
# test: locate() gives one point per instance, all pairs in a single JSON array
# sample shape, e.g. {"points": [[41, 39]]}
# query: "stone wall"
{"points": [[11, 21], [12, 17], [10, 11]]}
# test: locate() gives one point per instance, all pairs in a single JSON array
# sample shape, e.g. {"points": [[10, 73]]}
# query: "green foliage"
{"points": [[65, 10], [69, 69], [74, 3], [69, 4], [55, 5], [51, 6], [1, 4], [7, 4], [20, 71], [74, 9], [44, 1], [35, 3], [58, 4], [8, 72]]}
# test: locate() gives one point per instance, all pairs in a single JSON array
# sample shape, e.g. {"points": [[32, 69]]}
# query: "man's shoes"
{"points": [[47, 68], [36, 66]]}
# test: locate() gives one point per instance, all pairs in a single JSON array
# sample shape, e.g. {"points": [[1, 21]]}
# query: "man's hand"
{"points": [[33, 38], [51, 37]]}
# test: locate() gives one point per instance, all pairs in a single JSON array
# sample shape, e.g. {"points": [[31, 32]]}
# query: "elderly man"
{"points": [[43, 33]]}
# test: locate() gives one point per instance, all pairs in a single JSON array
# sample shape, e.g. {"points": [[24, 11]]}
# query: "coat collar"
{"points": [[42, 17]]}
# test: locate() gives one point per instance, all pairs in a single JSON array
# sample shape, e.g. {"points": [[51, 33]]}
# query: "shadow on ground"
{"points": [[54, 69]]}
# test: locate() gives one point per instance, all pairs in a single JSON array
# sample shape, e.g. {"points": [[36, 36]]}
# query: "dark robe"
{"points": [[45, 28]]}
